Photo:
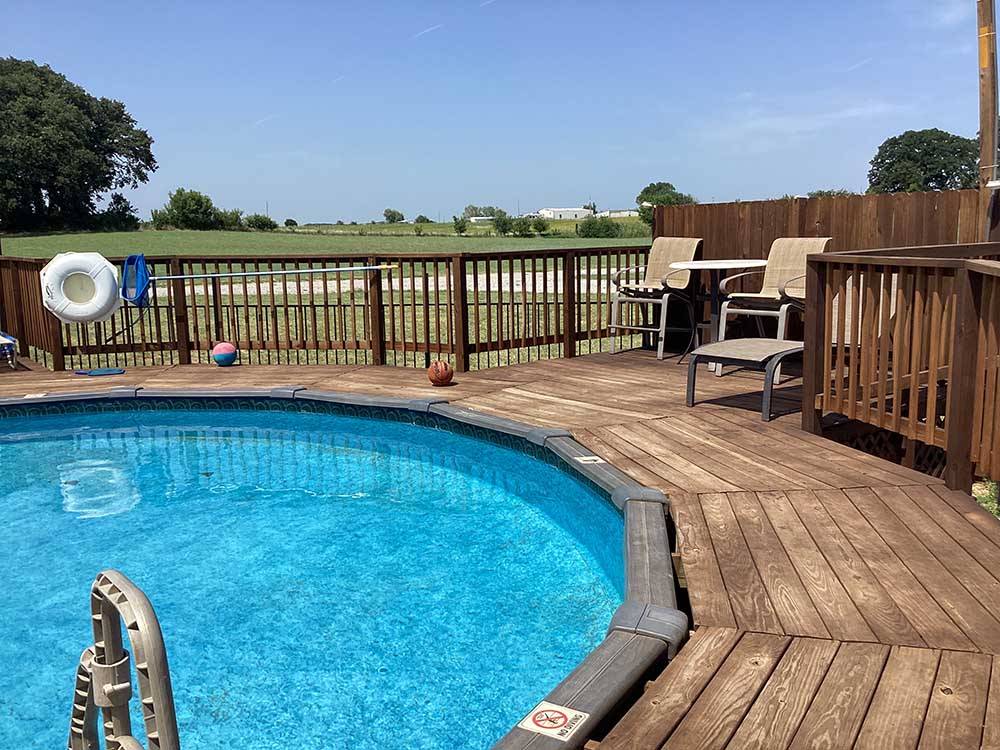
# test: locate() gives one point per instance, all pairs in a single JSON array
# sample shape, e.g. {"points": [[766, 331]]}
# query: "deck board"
{"points": [[720, 709], [877, 607], [904, 585], [957, 707], [706, 590], [837, 599], [895, 718], [795, 608], [751, 602], [970, 615], [663, 706], [782, 704], [838, 710], [838, 611]]}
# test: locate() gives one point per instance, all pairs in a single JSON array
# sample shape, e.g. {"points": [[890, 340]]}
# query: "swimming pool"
{"points": [[323, 579]]}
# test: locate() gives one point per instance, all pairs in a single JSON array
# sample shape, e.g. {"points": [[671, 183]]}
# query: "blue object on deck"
{"points": [[101, 371], [8, 348], [135, 281]]}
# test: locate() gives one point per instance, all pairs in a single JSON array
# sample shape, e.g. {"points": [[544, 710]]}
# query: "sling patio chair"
{"points": [[765, 355], [659, 286], [782, 290]]}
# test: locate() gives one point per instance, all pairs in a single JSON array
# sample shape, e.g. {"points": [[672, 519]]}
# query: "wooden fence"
{"points": [[906, 339], [476, 310], [746, 229]]}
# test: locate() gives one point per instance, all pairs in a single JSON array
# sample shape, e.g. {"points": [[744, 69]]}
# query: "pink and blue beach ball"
{"points": [[224, 354]]}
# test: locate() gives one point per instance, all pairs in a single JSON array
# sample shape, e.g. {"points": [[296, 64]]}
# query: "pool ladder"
{"points": [[104, 679]]}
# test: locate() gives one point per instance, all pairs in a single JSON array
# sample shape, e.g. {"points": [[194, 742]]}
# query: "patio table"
{"points": [[715, 268]]}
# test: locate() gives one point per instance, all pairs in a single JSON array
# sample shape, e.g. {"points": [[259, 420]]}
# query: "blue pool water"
{"points": [[322, 581]]}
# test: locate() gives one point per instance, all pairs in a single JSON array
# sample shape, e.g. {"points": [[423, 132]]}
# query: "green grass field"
{"points": [[300, 242]]}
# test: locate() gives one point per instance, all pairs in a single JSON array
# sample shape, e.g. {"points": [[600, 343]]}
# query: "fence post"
{"points": [[376, 314], [959, 469], [460, 306], [812, 348], [5, 322], [55, 340], [180, 314], [569, 303], [797, 218]]}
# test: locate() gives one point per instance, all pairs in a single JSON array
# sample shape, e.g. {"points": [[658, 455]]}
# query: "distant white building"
{"points": [[619, 213], [480, 219], [565, 213]]}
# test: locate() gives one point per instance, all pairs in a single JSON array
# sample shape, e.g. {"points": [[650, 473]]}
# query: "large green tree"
{"points": [[659, 194], [920, 160], [61, 149], [188, 209]]}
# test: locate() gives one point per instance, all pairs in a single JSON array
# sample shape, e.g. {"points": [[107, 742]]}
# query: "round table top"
{"points": [[710, 265]]}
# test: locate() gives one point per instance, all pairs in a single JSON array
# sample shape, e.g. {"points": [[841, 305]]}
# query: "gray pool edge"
{"points": [[646, 629]]}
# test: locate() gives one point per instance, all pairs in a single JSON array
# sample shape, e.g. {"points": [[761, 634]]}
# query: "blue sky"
{"points": [[336, 110]]}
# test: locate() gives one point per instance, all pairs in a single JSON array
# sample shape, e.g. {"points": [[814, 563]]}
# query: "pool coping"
{"points": [[646, 630]]}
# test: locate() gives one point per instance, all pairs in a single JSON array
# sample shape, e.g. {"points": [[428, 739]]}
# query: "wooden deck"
{"points": [[838, 600]]}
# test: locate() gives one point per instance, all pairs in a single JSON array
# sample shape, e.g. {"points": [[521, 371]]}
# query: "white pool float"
{"points": [[80, 287]]}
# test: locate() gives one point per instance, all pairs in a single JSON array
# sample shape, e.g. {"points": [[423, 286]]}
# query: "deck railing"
{"points": [[476, 310], [906, 340], [21, 311]]}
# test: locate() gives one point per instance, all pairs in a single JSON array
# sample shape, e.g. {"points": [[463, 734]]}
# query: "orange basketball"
{"points": [[440, 373]]}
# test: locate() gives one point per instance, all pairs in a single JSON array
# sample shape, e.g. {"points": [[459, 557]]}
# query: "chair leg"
{"points": [[723, 317], [770, 378], [663, 325], [769, 372], [692, 376], [782, 331], [721, 335], [782, 321], [615, 307]]}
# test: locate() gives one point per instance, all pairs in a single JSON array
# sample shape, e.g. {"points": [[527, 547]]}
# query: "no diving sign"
{"points": [[551, 720]]}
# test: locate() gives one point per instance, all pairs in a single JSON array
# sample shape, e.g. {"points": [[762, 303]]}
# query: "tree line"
{"points": [[65, 156]]}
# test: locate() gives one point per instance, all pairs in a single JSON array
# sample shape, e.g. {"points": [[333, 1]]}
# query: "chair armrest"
{"points": [[783, 289], [675, 272], [724, 284], [617, 278]]}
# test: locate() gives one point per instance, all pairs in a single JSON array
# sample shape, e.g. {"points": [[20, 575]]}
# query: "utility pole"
{"points": [[989, 210]]}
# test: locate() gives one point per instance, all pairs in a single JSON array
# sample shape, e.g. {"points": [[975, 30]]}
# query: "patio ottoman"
{"points": [[764, 355]]}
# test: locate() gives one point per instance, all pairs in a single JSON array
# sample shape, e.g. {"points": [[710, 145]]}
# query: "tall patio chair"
{"points": [[659, 286], [783, 288]]}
